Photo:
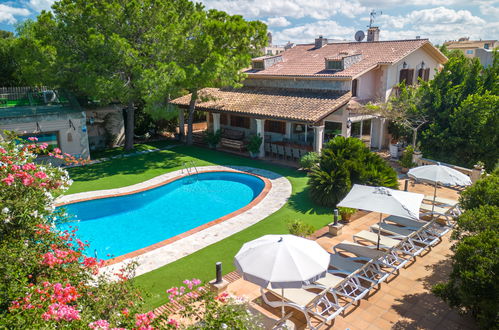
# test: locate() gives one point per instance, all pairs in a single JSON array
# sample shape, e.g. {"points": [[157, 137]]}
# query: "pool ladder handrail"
{"points": [[189, 169]]}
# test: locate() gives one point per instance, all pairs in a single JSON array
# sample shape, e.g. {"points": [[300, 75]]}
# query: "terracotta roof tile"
{"points": [[288, 104], [306, 60]]}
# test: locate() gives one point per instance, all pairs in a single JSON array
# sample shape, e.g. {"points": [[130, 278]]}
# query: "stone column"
{"points": [[288, 129], [261, 132], [381, 132], [216, 122], [476, 173], [318, 138], [181, 123]]}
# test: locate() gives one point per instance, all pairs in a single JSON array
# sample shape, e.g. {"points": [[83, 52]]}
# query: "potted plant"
{"points": [[254, 145], [212, 138], [406, 159], [346, 213], [309, 160]]}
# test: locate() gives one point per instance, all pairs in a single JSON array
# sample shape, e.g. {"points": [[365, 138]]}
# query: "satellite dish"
{"points": [[359, 36]]}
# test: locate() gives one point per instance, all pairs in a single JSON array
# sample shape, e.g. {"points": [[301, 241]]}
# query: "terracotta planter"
{"points": [[404, 170], [346, 217]]}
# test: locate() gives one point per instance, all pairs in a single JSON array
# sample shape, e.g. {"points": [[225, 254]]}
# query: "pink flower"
{"points": [[100, 324], [3, 151], [144, 320], [61, 312], [29, 166], [173, 323], [33, 138], [40, 175], [43, 146], [57, 150], [9, 179], [196, 281]]}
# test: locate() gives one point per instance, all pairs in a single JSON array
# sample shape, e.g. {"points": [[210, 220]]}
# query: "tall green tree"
{"points": [[219, 47], [9, 67]]}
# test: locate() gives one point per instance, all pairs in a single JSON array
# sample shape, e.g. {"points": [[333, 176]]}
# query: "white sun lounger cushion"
{"points": [[373, 237], [441, 200], [300, 297]]}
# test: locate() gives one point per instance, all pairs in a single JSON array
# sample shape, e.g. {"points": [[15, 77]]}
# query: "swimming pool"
{"points": [[115, 226]]}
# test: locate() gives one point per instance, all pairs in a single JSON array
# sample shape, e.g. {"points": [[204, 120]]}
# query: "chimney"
{"points": [[320, 42], [373, 34]]}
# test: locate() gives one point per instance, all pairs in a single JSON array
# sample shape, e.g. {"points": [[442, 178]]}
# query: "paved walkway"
{"points": [[404, 302]]}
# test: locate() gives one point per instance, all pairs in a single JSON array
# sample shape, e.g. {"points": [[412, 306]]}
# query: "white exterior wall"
{"points": [[78, 145], [370, 85], [413, 61]]}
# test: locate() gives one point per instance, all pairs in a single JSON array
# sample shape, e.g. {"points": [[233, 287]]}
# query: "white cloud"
{"points": [[489, 8], [307, 33], [277, 21], [39, 5], [8, 14], [318, 9]]}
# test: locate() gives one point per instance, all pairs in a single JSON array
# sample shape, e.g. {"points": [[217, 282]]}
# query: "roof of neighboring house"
{"points": [[271, 103], [306, 60], [468, 44]]}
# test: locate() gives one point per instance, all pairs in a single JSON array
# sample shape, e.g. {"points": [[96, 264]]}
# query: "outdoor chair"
{"points": [[289, 153], [349, 287], [296, 153], [267, 149], [448, 213], [366, 269], [419, 236], [280, 151], [309, 303], [441, 200], [431, 227], [405, 246], [274, 149], [388, 258]]}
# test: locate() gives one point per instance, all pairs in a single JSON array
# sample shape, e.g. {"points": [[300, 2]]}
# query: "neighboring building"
{"points": [[474, 48], [272, 49], [310, 92], [53, 116]]}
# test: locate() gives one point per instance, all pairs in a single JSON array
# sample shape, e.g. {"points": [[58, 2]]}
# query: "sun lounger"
{"points": [[431, 227], [309, 303], [366, 269], [441, 200], [405, 246], [445, 212], [384, 258], [418, 236], [348, 287]]}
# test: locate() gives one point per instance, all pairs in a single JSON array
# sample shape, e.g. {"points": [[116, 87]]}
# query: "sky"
{"points": [[301, 21]]}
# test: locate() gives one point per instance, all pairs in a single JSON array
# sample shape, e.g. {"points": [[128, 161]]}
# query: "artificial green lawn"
{"points": [[201, 264]]}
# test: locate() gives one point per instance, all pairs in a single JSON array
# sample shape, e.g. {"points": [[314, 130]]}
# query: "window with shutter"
{"points": [[275, 126], [224, 120], [240, 121], [421, 73], [354, 87], [407, 76], [426, 76]]}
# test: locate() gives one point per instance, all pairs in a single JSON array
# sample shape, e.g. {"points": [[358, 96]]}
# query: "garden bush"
{"points": [[47, 282], [483, 192], [344, 162], [300, 228], [472, 286], [309, 160], [406, 159]]}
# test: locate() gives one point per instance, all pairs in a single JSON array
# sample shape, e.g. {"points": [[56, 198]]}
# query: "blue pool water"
{"points": [[118, 225]]}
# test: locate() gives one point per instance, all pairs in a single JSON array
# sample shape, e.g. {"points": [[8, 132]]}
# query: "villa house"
{"points": [[310, 93]]}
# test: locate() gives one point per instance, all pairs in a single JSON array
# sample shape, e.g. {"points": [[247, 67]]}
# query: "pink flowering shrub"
{"points": [[47, 282], [206, 310]]}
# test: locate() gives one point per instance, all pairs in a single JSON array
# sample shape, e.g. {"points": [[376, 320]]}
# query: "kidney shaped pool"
{"points": [[116, 226]]}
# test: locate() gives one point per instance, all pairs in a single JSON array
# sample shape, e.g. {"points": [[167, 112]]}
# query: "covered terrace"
{"points": [[294, 117]]}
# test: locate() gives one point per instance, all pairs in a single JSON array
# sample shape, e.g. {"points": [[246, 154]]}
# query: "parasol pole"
{"points": [[434, 198], [282, 306], [379, 230]]}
